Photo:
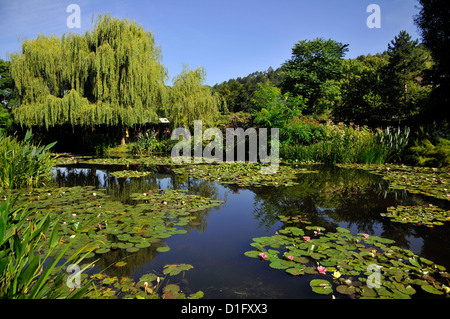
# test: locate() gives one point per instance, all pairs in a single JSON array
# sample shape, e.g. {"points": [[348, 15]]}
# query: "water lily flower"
{"points": [[290, 257], [336, 274], [366, 236], [321, 269], [262, 255], [306, 238]]}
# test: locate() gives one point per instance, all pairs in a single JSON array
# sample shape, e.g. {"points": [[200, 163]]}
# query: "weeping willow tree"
{"points": [[110, 75], [191, 100]]}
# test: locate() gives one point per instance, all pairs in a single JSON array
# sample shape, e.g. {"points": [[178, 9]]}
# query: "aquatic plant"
{"points": [[104, 225], [24, 273], [433, 182], [421, 215], [149, 286], [243, 174], [348, 259], [23, 164]]}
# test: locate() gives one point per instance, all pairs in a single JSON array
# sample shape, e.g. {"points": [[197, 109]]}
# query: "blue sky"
{"points": [[230, 38]]}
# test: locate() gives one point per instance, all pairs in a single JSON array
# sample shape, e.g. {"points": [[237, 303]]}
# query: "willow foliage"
{"points": [[111, 75], [191, 100]]}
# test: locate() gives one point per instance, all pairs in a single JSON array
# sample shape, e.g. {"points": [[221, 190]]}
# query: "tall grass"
{"points": [[340, 144], [23, 164]]}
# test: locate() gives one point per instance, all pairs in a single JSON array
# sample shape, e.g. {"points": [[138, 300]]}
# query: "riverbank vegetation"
{"points": [[105, 93]]}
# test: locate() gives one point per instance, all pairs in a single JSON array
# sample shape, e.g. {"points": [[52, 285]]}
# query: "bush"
{"points": [[425, 153], [302, 130], [24, 164], [149, 142], [340, 144]]}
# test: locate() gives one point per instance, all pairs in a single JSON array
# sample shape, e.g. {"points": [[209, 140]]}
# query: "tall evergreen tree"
{"points": [[406, 63]]}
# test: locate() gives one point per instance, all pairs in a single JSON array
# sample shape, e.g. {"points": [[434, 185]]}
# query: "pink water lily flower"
{"points": [[290, 257], [321, 269], [306, 238], [366, 236], [262, 255]]}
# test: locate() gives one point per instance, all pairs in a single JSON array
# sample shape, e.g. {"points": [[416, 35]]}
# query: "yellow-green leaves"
{"points": [[111, 75]]}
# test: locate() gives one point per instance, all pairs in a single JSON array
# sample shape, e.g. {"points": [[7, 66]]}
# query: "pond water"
{"points": [[215, 246]]}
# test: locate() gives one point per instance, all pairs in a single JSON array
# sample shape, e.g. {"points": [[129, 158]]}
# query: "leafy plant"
{"points": [[425, 153], [275, 109], [395, 139], [345, 258], [24, 274], [24, 164]]}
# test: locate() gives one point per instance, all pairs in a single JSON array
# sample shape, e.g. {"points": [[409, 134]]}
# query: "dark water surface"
{"points": [[334, 197]]}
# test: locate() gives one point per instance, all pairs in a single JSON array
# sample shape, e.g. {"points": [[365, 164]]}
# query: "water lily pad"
{"points": [[132, 249], [173, 270], [321, 286], [295, 271], [345, 256], [421, 215], [102, 250], [163, 249], [346, 290], [430, 289]]}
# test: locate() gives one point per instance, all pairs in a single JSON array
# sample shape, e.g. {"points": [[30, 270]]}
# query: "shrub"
{"points": [[425, 153], [302, 130], [151, 142], [24, 164]]}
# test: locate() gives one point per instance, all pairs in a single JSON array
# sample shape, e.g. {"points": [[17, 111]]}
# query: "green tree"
{"points": [[363, 90], [111, 75], [239, 93], [7, 95], [274, 110], [407, 61], [433, 21], [313, 72], [191, 100]]}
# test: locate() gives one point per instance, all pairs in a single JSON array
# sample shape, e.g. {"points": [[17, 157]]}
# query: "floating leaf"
{"points": [[346, 290], [163, 249], [321, 286], [173, 270], [431, 289]]}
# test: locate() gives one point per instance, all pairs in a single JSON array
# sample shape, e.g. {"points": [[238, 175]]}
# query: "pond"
{"points": [[216, 241]]}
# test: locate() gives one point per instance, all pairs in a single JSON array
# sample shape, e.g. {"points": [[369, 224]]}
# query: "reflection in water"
{"points": [[354, 199], [215, 243]]}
